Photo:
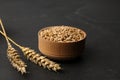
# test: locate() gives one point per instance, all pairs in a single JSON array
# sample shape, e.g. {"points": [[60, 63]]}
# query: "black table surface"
{"points": [[99, 18]]}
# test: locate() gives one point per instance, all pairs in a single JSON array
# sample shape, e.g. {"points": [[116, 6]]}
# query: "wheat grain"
{"points": [[62, 34]]}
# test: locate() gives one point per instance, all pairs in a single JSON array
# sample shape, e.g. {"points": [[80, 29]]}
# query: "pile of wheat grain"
{"points": [[62, 34]]}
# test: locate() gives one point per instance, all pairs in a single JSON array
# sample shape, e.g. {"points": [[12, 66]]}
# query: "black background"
{"points": [[99, 18]]}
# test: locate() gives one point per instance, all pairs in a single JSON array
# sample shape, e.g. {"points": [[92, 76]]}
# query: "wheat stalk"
{"points": [[13, 56], [36, 57]]}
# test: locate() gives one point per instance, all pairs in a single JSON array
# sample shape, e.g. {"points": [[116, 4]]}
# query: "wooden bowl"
{"points": [[61, 50]]}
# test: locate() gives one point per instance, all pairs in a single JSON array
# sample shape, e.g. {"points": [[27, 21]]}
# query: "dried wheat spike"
{"points": [[12, 54], [15, 60], [40, 60], [36, 58]]}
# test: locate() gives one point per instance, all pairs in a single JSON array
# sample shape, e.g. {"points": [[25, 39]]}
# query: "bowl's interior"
{"points": [[59, 32]]}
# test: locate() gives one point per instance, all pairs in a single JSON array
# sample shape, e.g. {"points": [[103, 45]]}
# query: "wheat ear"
{"points": [[36, 57], [13, 56]]}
